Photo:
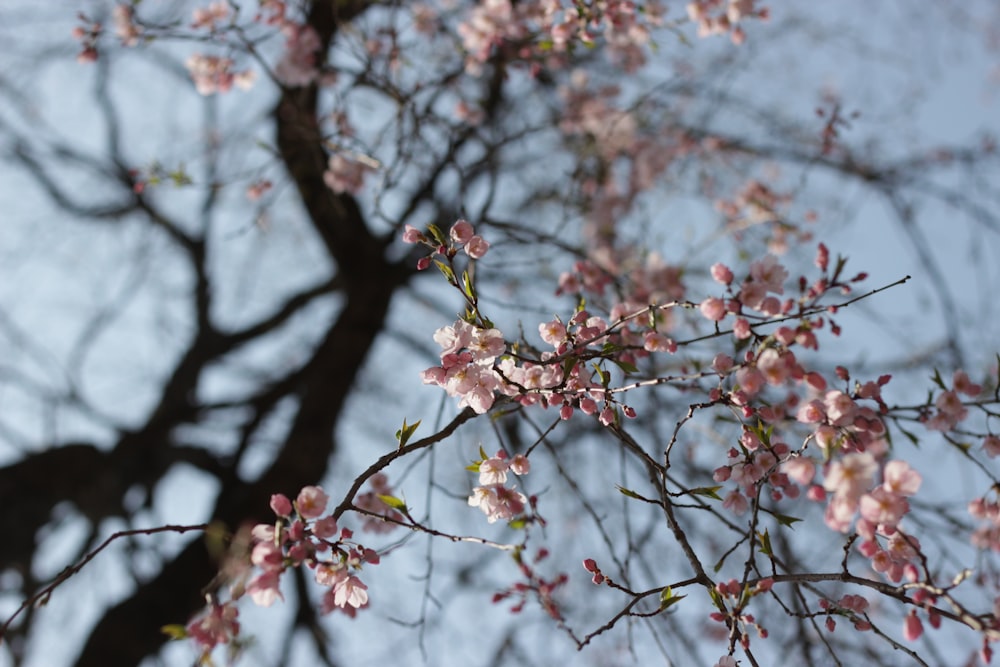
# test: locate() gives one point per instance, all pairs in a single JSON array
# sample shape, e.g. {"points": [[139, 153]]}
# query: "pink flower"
{"points": [[497, 502], [900, 478], [851, 476], [553, 332], [811, 412], [722, 363], [883, 508], [840, 408], [218, 626], [713, 308], [349, 590], [736, 502], [311, 502], [912, 627], [281, 505], [264, 589], [325, 528], [476, 247], [801, 470], [721, 273], [991, 445], [487, 344], [267, 556], [461, 232], [741, 329], [520, 465], [345, 174], [657, 342], [493, 471], [964, 385], [412, 235], [769, 273]]}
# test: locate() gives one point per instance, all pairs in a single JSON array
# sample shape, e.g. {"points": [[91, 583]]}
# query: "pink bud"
{"points": [[281, 505]]}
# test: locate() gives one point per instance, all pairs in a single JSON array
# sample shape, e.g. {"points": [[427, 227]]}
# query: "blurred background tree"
{"points": [[206, 300]]}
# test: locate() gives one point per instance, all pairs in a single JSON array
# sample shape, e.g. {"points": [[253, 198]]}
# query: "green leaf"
{"points": [[472, 468], [625, 366], [628, 492], [909, 436], [175, 631], [718, 566], [708, 491], [446, 270], [435, 232], [518, 523], [403, 434], [567, 366], [936, 379], [467, 286], [482, 454], [786, 520], [393, 502], [765, 543], [604, 377], [668, 599]]}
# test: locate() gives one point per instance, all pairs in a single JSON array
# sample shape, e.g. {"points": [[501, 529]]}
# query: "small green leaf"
{"points": [[936, 379], [628, 492], [435, 232], [467, 286], [625, 366], [786, 520], [718, 566], [472, 468], [403, 434], [668, 599], [482, 454], [602, 376], [909, 436], [175, 631], [393, 502], [708, 491], [446, 270], [765, 543], [518, 523]]}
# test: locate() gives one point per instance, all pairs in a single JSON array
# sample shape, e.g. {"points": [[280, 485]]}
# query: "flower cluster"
{"points": [[714, 19], [303, 536], [542, 588], [298, 65], [853, 607], [466, 370], [493, 497], [215, 74], [731, 598], [949, 409], [544, 30], [210, 17], [380, 516], [345, 174]]}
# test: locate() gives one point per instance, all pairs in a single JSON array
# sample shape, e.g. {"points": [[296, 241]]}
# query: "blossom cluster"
{"points": [[303, 535], [541, 30], [720, 17], [215, 74], [731, 598], [492, 496]]}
